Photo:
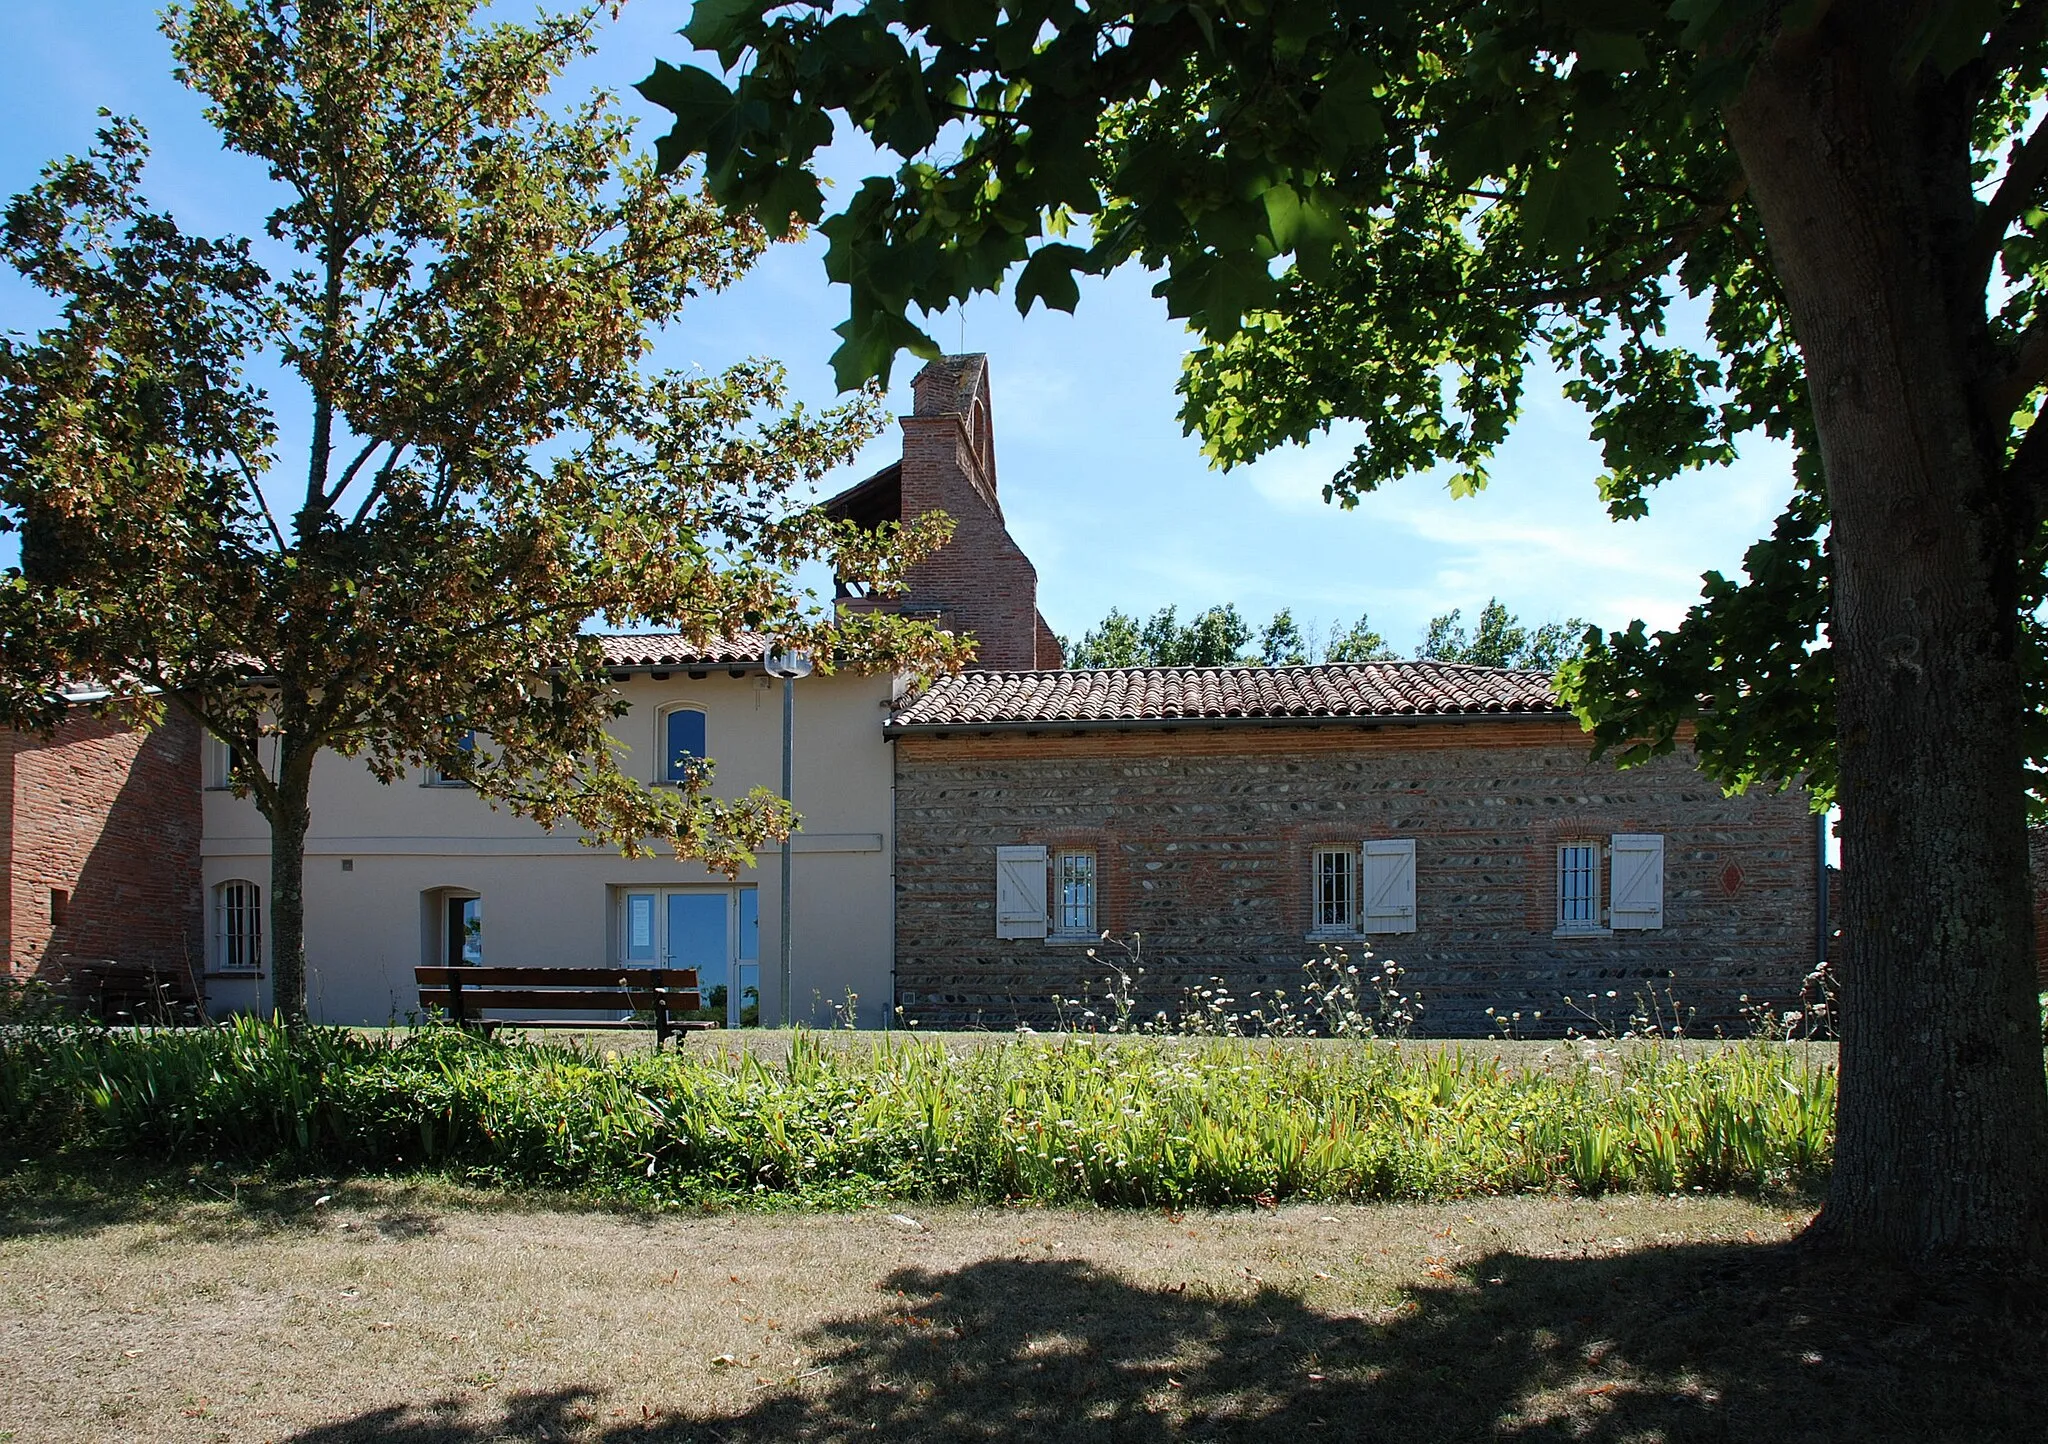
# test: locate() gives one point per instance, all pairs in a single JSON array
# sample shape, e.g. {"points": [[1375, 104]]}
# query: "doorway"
{"points": [[717, 931]]}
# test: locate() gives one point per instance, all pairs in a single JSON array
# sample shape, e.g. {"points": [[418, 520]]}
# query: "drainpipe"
{"points": [[780, 662], [788, 846], [1820, 891], [889, 1008]]}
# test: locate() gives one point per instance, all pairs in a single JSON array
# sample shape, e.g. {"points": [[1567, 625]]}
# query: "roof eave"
{"points": [[894, 728]]}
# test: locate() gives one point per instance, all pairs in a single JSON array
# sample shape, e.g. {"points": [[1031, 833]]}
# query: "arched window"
{"points": [[679, 742], [238, 926]]}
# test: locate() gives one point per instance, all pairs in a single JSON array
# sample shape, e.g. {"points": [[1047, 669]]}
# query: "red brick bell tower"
{"points": [[981, 582]]}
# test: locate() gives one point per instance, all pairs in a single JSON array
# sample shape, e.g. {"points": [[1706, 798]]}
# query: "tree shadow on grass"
{"points": [[1692, 1343], [211, 1204], [199, 1204]]}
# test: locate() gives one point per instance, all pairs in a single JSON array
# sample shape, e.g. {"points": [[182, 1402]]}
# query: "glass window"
{"points": [[750, 957], [465, 932], [437, 778], [1073, 871], [683, 743], [697, 938], [750, 922], [238, 926], [639, 928], [1336, 890], [217, 763], [1578, 885]]}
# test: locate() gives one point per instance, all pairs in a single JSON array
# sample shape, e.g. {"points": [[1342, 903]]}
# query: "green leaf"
{"points": [[1049, 277], [1301, 222], [793, 196], [1283, 215], [705, 112], [962, 19], [1615, 54], [1347, 118], [1951, 36], [1215, 292], [1560, 204], [714, 22], [868, 348]]}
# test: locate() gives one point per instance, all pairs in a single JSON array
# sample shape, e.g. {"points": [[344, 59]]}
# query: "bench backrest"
{"points": [[470, 990]]}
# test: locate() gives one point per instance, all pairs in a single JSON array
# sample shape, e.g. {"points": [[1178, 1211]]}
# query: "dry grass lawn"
{"points": [[403, 1315]]}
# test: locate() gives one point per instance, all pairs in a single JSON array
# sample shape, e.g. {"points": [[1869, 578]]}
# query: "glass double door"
{"points": [[717, 931]]}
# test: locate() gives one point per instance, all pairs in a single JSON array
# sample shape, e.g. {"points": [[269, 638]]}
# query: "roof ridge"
{"points": [[1248, 693], [1183, 667]]}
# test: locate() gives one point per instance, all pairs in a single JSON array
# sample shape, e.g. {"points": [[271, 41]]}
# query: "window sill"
{"points": [[1582, 930], [1330, 935], [234, 975], [1072, 940], [450, 786]]}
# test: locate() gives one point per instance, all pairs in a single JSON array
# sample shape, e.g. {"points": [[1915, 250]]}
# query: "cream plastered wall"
{"points": [[548, 900]]}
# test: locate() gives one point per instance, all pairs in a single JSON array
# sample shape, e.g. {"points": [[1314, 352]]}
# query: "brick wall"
{"points": [[107, 815], [1051, 654], [981, 582], [1205, 836]]}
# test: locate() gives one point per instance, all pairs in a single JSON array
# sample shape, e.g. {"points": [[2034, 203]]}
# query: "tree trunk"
{"points": [[289, 816], [1861, 177]]}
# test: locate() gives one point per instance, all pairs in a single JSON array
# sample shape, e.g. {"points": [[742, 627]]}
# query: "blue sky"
{"points": [[1112, 502]]}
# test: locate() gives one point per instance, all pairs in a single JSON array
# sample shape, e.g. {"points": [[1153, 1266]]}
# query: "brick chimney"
{"points": [[981, 582]]}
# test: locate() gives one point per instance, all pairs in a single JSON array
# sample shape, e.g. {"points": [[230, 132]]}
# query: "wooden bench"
{"points": [[466, 993], [129, 993]]}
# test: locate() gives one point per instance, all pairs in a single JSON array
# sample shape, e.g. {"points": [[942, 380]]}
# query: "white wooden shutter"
{"points": [[1389, 884], [1636, 889], [1020, 892]]}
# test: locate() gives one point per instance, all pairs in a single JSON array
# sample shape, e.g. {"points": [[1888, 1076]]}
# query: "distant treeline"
{"points": [[1221, 637]]}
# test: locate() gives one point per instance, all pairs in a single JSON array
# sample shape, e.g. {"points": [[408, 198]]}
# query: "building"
{"points": [[99, 847], [965, 842], [981, 582], [1242, 819]]}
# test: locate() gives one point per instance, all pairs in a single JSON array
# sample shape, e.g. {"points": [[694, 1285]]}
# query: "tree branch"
{"points": [[1654, 264], [2024, 172], [2001, 395], [445, 489], [382, 483], [262, 502], [348, 474], [2026, 481], [521, 615]]}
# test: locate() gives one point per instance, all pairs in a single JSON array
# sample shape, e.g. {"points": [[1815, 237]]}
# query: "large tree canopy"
{"points": [[1385, 212], [472, 277]]}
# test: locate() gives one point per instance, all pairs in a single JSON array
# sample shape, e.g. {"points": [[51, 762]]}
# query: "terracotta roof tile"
{"points": [[1154, 694], [673, 649]]}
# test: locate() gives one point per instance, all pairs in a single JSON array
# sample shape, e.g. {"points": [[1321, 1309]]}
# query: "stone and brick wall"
{"points": [[99, 839], [1205, 837]]}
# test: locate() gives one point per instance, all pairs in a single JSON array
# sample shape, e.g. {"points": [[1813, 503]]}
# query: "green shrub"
{"points": [[1136, 1122]]}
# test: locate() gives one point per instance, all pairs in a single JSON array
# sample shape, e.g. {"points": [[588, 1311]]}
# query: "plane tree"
{"points": [[1717, 219], [460, 278]]}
